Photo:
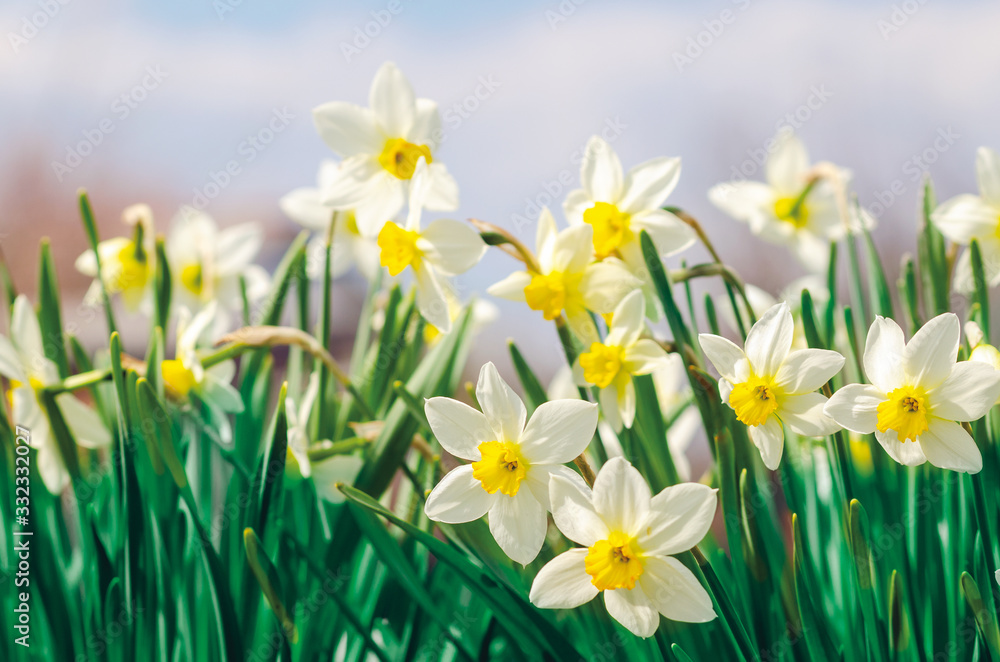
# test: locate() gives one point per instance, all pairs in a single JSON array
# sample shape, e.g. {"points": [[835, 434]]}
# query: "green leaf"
{"points": [[267, 576], [90, 227], [50, 313], [534, 392]]}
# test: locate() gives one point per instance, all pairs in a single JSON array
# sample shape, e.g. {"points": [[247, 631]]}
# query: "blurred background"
{"points": [[148, 101]]}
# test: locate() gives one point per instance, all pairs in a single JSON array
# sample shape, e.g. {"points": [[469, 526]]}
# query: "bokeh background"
{"points": [[888, 89]]}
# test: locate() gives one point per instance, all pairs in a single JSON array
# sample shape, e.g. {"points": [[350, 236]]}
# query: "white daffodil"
{"points": [[769, 385], [327, 472], [630, 537], [966, 217], [917, 393], [207, 262], [185, 374], [445, 247], [761, 301], [511, 462], [793, 208], [673, 391], [568, 281], [610, 365], [24, 364], [618, 206], [380, 147], [127, 265], [305, 206], [982, 351]]}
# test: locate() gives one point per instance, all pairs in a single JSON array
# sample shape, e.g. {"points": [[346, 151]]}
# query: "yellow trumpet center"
{"points": [[192, 278], [614, 563], [611, 228], [399, 248], [502, 468], [400, 157], [754, 400], [602, 364], [784, 209], [133, 269], [905, 412], [177, 377], [553, 292]]}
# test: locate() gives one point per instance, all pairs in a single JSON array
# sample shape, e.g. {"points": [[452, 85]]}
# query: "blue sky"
{"points": [[707, 81]]}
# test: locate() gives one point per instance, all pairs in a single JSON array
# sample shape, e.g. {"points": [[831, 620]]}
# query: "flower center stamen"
{"points": [[905, 412], [601, 364], [400, 157], [192, 278], [754, 400], [785, 210], [502, 468], [399, 248], [177, 377], [614, 563], [611, 228]]}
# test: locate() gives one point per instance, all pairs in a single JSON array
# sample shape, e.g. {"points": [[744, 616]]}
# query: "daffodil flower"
{"points": [[618, 206], [792, 209], [629, 538], [185, 374], [127, 264], [769, 385], [982, 351], [568, 281], [445, 247], [325, 473], [207, 262], [611, 363], [380, 147], [511, 461], [918, 394], [966, 217], [24, 364], [761, 300], [305, 206]]}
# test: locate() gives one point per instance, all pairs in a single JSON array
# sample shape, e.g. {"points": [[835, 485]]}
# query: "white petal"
{"points": [[968, 393], [854, 407], [511, 287], [347, 129], [426, 129], [648, 184], [679, 518], [84, 423], [377, 201], [804, 414], [559, 431], [605, 283], [675, 592], [788, 163], [988, 175], [633, 609], [458, 498], [770, 339], [458, 427], [305, 207], [518, 525], [451, 246], [626, 403], [236, 247], [575, 204], [569, 251], [563, 583], [884, 354], [644, 357], [621, 496], [10, 362], [26, 334], [907, 453], [337, 469], [947, 445], [431, 300], [628, 320], [608, 398], [503, 409], [930, 355], [573, 511], [670, 234], [51, 468], [546, 230], [742, 200], [442, 189], [723, 354], [222, 394], [539, 476], [964, 218], [392, 101], [769, 438], [807, 370], [601, 173]]}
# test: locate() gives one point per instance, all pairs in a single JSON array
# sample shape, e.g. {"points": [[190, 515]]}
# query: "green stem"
{"points": [[733, 623]]}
